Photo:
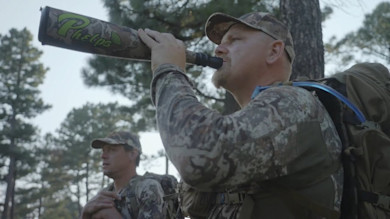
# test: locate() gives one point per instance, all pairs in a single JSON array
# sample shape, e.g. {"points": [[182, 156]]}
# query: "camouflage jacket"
{"points": [[140, 199], [284, 135]]}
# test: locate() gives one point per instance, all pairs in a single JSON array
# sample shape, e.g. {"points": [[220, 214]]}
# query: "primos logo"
{"points": [[73, 23]]}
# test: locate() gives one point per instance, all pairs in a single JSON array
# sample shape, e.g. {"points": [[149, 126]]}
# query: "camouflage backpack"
{"points": [[169, 184], [358, 100]]}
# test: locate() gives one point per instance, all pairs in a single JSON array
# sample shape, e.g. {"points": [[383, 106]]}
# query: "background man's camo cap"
{"points": [[218, 24], [123, 138]]}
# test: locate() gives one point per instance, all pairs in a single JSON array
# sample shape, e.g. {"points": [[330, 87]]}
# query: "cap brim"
{"points": [[100, 142], [219, 23]]}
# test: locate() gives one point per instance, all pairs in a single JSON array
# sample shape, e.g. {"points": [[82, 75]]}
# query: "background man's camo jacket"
{"points": [[259, 143], [147, 194]]}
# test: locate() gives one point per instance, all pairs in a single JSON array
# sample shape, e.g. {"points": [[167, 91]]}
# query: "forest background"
{"points": [[55, 101]]}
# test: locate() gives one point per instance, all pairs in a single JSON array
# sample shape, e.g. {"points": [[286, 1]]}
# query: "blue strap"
{"points": [[257, 90], [323, 87]]}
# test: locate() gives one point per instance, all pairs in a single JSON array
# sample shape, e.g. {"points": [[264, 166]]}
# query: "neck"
{"points": [[242, 99], [122, 180], [243, 95]]}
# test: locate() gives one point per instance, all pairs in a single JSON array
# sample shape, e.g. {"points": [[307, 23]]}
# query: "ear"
{"points": [[276, 51], [133, 154]]}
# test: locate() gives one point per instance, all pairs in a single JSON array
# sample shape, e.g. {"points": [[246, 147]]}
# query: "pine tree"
{"points": [[21, 74], [48, 188], [371, 42]]}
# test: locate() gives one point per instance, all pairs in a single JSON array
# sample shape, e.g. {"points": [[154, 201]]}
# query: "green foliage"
{"points": [[326, 12], [47, 193], [185, 20], [370, 41], [63, 209], [21, 74]]}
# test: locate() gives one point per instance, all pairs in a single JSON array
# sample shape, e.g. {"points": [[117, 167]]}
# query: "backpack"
{"points": [[169, 184], [358, 100]]}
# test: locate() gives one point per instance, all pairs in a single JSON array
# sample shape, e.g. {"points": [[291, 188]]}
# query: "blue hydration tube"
{"points": [[323, 87]]}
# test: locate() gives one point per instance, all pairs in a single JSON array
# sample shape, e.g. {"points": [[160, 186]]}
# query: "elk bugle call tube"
{"points": [[85, 34]]}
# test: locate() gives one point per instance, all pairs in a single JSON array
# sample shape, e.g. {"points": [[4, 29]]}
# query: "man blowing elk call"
{"points": [[281, 140]]}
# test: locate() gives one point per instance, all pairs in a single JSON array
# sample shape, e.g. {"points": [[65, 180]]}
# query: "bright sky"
{"points": [[63, 87]]}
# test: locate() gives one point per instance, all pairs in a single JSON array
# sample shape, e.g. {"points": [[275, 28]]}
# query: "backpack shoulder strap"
{"points": [[323, 87], [134, 204], [333, 92]]}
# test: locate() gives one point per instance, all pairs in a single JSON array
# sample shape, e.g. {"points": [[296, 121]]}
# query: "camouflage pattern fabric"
{"points": [[237, 152], [147, 193]]}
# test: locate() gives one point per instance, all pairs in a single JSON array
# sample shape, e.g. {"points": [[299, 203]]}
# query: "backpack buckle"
{"points": [[383, 202], [230, 198], [370, 125]]}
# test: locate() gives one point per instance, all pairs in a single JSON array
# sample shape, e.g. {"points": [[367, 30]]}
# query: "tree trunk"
{"points": [[11, 177], [10, 186], [40, 200], [166, 164], [78, 192], [304, 21], [13, 195], [87, 182]]}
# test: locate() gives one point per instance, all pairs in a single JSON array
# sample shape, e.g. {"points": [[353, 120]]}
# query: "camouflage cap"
{"points": [[218, 24], [122, 138]]}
